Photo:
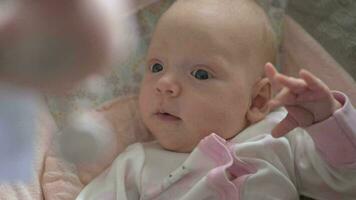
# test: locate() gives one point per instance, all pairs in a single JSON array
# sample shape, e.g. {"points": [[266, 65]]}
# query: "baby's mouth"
{"points": [[167, 116]]}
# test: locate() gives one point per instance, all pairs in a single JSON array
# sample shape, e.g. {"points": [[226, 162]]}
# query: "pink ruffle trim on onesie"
{"points": [[230, 173]]}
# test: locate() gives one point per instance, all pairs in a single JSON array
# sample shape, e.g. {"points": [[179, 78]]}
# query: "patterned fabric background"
{"points": [[333, 24]]}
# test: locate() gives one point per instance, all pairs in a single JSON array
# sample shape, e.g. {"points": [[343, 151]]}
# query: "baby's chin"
{"points": [[175, 146]]}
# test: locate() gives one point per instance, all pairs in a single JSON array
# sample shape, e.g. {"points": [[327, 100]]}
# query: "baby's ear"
{"points": [[261, 94]]}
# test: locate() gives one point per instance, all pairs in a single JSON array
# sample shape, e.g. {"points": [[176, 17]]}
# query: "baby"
{"points": [[207, 101]]}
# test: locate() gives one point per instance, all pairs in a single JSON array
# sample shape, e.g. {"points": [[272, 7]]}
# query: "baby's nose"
{"points": [[166, 85]]}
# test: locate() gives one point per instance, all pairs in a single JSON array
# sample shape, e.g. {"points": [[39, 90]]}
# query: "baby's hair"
{"points": [[268, 33], [275, 10]]}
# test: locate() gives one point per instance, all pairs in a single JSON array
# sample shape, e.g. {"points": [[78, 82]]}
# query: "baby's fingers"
{"points": [[295, 85], [310, 96], [282, 98], [278, 80], [312, 81], [271, 73]]}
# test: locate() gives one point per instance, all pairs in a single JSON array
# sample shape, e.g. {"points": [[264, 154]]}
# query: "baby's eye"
{"points": [[201, 74], [156, 67]]}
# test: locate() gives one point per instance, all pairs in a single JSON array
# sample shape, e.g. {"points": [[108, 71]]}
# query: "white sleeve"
{"points": [[121, 180], [325, 155]]}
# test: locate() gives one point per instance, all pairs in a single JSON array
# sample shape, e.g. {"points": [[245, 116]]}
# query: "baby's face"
{"points": [[196, 83]]}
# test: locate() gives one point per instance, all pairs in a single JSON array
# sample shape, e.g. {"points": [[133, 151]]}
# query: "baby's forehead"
{"points": [[237, 27], [230, 10], [234, 20]]}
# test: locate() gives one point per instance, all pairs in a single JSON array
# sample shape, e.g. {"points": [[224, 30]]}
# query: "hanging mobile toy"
{"points": [[49, 46]]}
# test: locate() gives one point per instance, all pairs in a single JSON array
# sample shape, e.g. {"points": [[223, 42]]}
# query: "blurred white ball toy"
{"points": [[86, 138]]}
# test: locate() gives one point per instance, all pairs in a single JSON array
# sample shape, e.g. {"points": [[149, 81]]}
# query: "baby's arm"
{"points": [[324, 155]]}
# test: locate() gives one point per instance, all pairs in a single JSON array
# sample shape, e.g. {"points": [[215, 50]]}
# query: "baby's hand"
{"points": [[307, 99]]}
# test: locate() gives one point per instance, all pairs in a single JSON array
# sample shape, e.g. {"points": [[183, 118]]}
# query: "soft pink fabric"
{"points": [[333, 137], [60, 179]]}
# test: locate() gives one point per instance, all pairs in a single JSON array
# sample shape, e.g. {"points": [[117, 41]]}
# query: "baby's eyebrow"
{"points": [[217, 62]]}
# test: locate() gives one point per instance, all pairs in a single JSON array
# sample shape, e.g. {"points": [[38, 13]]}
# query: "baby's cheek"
{"points": [[145, 102], [206, 123], [225, 123]]}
